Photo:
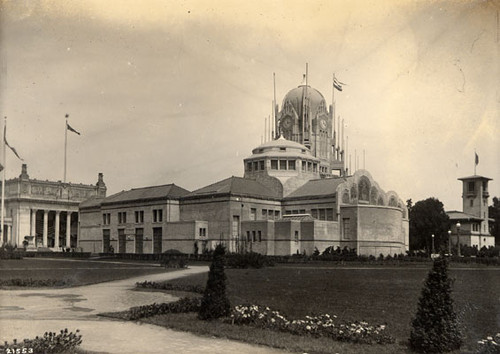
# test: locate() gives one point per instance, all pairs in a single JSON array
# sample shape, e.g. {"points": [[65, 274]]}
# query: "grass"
{"points": [[73, 272], [376, 295]]}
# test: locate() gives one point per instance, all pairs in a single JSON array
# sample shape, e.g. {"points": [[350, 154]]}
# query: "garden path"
{"points": [[28, 313]]}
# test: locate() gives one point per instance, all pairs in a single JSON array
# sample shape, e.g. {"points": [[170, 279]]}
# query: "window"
{"points": [[346, 228], [322, 214], [255, 166], [259, 234], [253, 214], [122, 217], [264, 214], [106, 218], [274, 164], [304, 165], [249, 166], [472, 202], [291, 165], [314, 213], [282, 164], [296, 237], [248, 236], [254, 236], [157, 215], [309, 166], [202, 232], [261, 164], [288, 212], [470, 186], [282, 148], [315, 167], [329, 214], [139, 216], [276, 214]]}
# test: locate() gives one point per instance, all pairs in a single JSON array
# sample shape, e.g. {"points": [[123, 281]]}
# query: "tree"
{"points": [[494, 213], [427, 217], [435, 327], [215, 303]]}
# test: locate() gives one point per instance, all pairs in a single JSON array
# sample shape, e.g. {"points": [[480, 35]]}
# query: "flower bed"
{"points": [[181, 306], [34, 283], [168, 286], [319, 326], [490, 345], [63, 342]]}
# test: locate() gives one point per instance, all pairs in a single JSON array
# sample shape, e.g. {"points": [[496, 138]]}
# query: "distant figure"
{"points": [[111, 249]]}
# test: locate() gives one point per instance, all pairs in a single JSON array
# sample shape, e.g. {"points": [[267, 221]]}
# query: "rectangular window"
{"points": [[296, 236], [329, 214], [157, 215], [261, 165], [314, 213], [122, 217], [255, 166], [309, 166], [139, 240], [253, 214], [302, 211], [322, 214], [248, 236], [264, 214], [470, 186], [315, 167], [276, 214], [346, 228], [139, 216], [472, 202], [202, 232], [304, 165], [288, 212], [282, 164], [274, 164], [106, 218], [254, 236], [106, 244], [259, 234], [291, 164], [249, 166]]}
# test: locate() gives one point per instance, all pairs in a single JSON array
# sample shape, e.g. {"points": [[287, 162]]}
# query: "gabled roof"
{"points": [[317, 188], [91, 202], [459, 215], [235, 186], [167, 191]]}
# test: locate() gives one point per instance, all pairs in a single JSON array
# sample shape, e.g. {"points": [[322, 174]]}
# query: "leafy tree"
{"points": [[494, 213], [435, 329], [427, 217], [215, 303]]}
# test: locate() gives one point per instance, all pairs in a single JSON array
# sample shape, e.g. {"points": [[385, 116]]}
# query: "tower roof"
{"points": [[475, 177], [316, 101]]}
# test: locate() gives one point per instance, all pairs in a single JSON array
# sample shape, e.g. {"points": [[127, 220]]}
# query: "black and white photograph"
{"points": [[254, 177]]}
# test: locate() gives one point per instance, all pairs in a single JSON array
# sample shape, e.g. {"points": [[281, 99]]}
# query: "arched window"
{"points": [[345, 196], [364, 189], [393, 202], [380, 200], [373, 196], [354, 193]]}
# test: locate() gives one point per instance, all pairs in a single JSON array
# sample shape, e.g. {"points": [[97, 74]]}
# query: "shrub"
{"points": [[7, 251], [169, 286], [215, 303], [247, 260], [181, 306], [64, 342], [490, 345], [434, 329], [34, 283]]}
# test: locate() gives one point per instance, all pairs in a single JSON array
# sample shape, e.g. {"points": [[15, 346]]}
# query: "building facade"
{"points": [[295, 197], [470, 226], [45, 212]]}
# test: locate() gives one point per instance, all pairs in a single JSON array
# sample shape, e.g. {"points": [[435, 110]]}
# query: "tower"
{"points": [[475, 199], [305, 119]]}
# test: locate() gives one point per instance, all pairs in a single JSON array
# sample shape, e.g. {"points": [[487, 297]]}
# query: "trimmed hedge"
{"points": [[168, 286], [181, 306]]}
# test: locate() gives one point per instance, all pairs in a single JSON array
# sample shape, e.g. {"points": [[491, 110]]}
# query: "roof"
{"points": [[91, 202], [298, 217], [281, 142], [317, 188], [474, 177], [459, 215], [235, 186], [315, 99], [167, 191]]}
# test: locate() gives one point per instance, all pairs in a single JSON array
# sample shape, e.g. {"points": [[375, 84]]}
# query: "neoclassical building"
{"points": [[295, 196], [46, 210]]}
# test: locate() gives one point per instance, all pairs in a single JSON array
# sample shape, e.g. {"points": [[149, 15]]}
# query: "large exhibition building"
{"points": [[296, 196]]}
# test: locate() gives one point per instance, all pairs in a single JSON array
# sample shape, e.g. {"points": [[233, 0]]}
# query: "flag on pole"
{"points": [[1, 167], [337, 84], [6, 143], [477, 159], [71, 129]]}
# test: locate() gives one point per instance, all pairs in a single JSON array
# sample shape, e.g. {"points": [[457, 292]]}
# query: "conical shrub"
{"points": [[215, 303], [435, 328]]}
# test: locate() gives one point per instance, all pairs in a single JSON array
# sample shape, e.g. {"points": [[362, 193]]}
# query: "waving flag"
{"points": [[477, 159], [6, 143], [337, 84], [71, 129]]}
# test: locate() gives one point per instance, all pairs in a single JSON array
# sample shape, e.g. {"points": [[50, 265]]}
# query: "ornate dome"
{"points": [[294, 97]]}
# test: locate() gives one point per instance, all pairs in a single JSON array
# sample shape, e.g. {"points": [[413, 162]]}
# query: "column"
{"points": [[45, 227], [68, 229], [33, 222], [56, 236]]}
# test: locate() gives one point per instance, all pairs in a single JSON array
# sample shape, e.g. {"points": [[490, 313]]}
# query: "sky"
{"points": [[178, 91]]}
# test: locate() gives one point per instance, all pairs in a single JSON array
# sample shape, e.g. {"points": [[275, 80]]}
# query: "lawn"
{"points": [[376, 295], [73, 272]]}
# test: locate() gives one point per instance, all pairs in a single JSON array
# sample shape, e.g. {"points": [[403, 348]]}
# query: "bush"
{"points": [[64, 342], [434, 329], [34, 283], [215, 303], [8, 251], [169, 286], [181, 306], [247, 260]]}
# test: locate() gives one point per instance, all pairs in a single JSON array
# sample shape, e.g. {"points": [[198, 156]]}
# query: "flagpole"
{"points": [[3, 181], [65, 144]]}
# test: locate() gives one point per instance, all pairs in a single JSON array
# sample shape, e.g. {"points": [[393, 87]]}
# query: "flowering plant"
{"points": [[490, 345], [318, 326]]}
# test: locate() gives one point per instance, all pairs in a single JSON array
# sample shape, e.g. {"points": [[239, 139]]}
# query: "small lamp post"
{"points": [[449, 241], [458, 238], [432, 243]]}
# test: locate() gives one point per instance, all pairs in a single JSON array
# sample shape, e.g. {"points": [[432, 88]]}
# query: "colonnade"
{"points": [[57, 220]]}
